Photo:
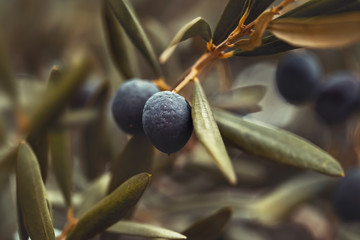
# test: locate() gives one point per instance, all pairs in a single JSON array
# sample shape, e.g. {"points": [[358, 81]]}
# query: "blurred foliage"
{"points": [[65, 165]]}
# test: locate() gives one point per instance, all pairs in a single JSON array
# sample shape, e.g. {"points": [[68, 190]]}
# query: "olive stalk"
{"points": [[221, 50]]}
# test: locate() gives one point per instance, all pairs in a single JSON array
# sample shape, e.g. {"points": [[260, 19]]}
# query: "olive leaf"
{"points": [[210, 227], [318, 32], [129, 21], [232, 14], [275, 144], [288, 195], [315, 8], [136, 157], [23, 235], [143, 230], [197, 26], [240, 99], [60, 94], [94, 141], [31, 196], [7, 79], [61, 159], [116, 42], [270, 45], [208, 133], [229, 20], [111, 208]]}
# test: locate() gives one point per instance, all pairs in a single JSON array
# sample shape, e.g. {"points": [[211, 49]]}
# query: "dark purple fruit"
{"points": [[347, 196], [167, 121], [298, 77], [339, 99], [128, 103]]}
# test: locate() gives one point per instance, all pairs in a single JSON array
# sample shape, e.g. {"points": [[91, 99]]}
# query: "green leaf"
{"points": [[61, 158], [232, 14], [7, 79], [143, 230], [315, 8], [136, 157], [23, 235], [318, 32], [197, 26], [270, 45], [242, 99], [210, 227], [60, 94], [275, 144], [31, 196], [129, 21], [208, 133], [94, 140], [116, 42], [110, 209], [288, 196]]}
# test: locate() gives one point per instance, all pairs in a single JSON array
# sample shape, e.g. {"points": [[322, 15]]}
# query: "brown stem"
{"points": [[72, 221], [219, 51]]}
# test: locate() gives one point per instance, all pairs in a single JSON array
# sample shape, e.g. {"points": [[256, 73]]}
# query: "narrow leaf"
{"points": [[314, 8], [116, 42], [31, 196], [229, 20], [110, 209], [208, 133], [94, 141], [23, 235], [197, 26], [61, 158], [232, 14], [60, 94], [127, 18], [143, 230], [288, 196], [275, 144], [240, 99], [211, 227], [318, 32], [270, 45], [136, 157]]}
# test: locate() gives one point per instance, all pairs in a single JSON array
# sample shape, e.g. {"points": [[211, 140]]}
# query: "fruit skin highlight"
{"points": [[346, 200], [298, 77], [167, 121], [339, 99], [128, 103]]}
